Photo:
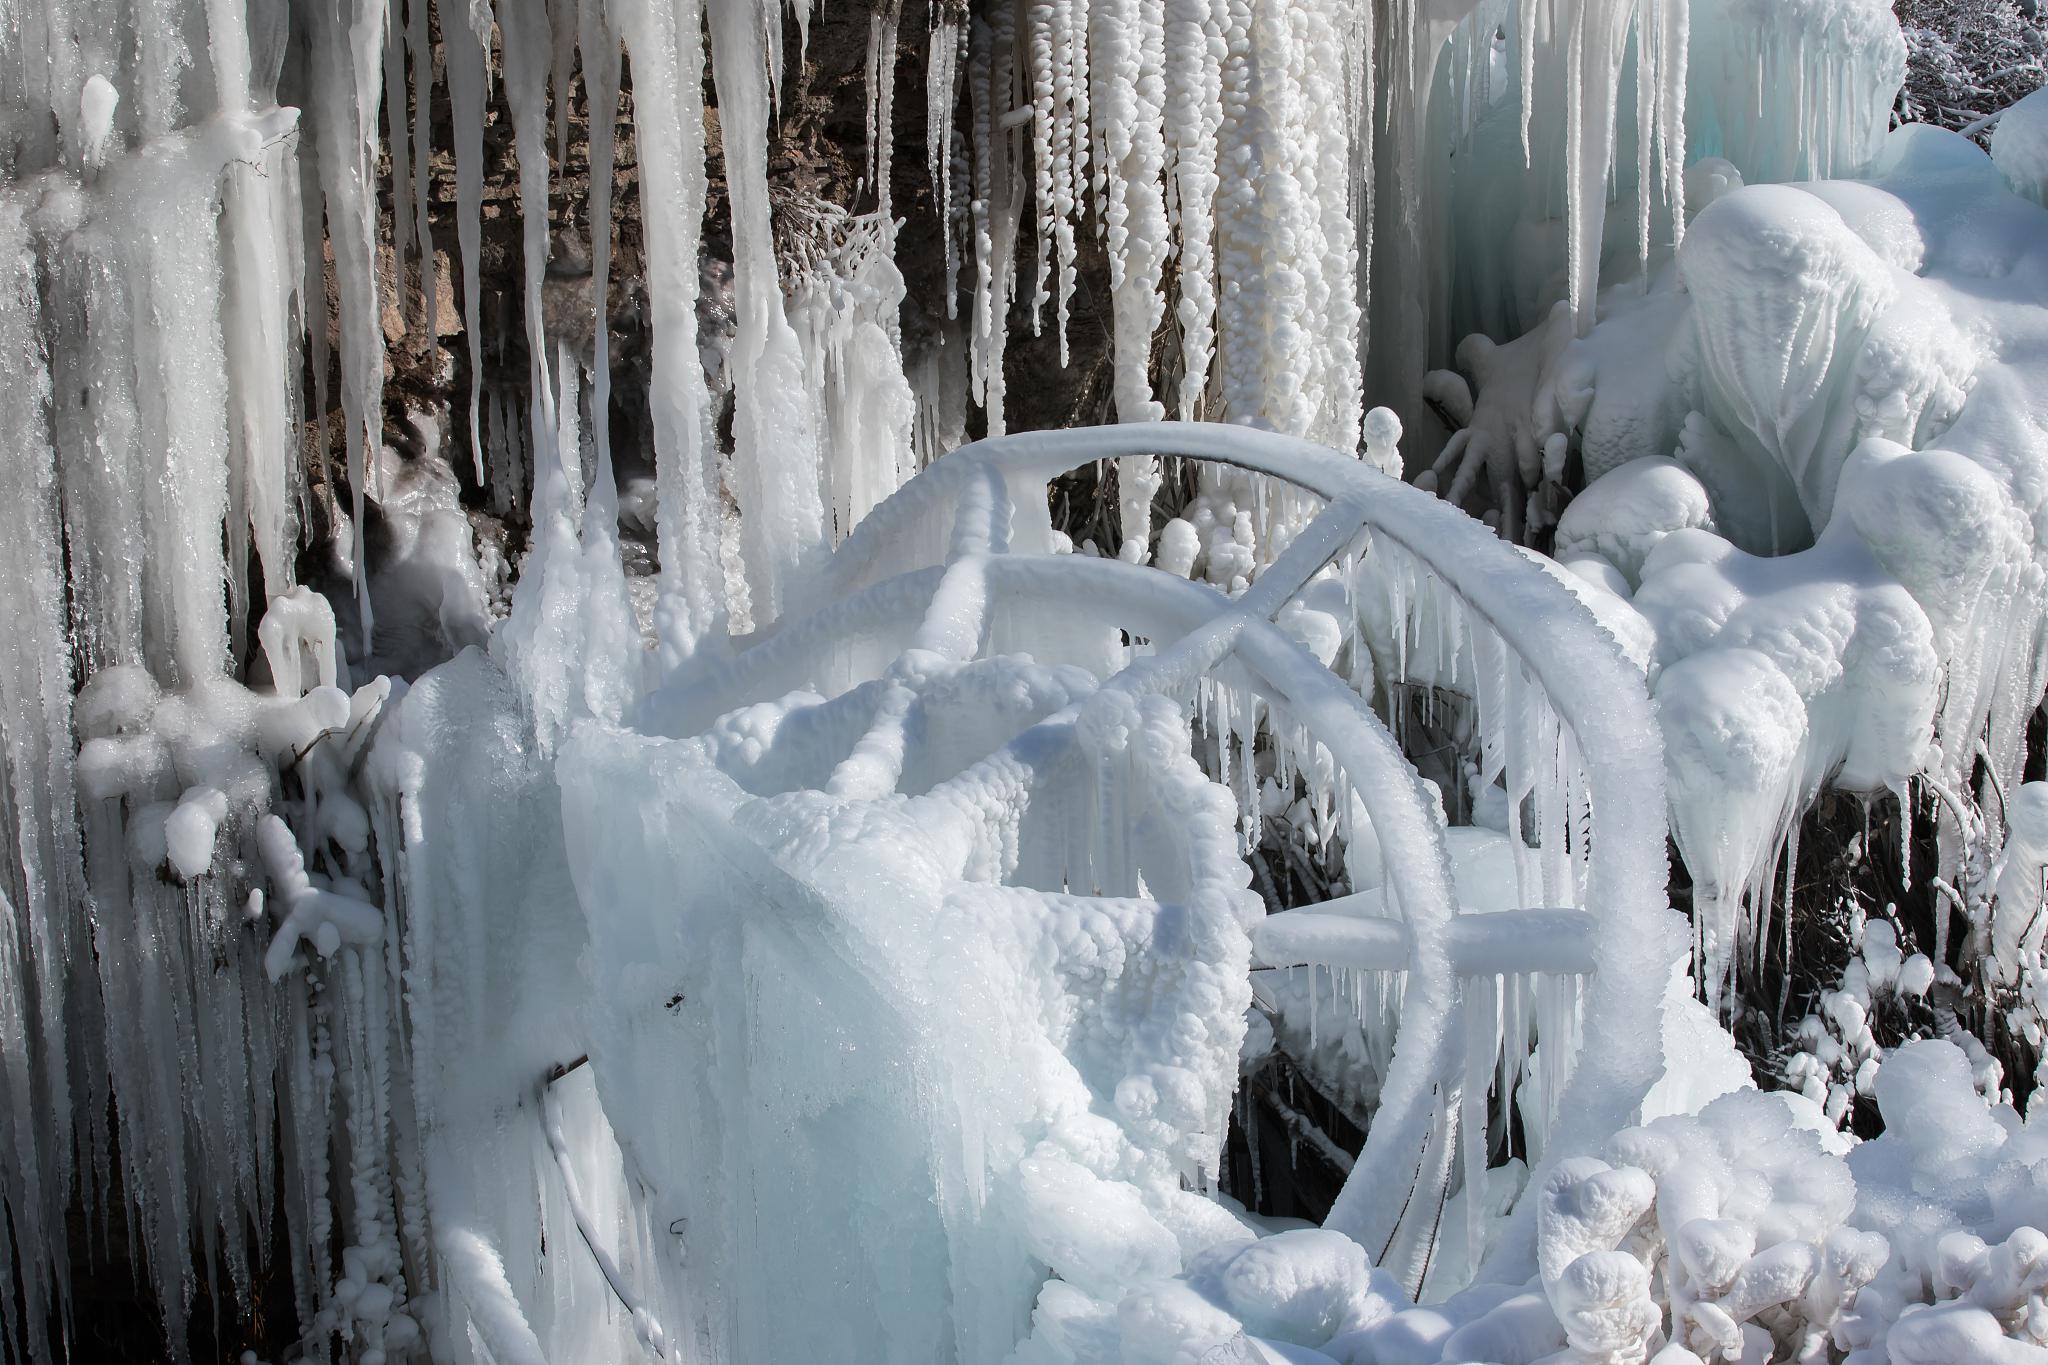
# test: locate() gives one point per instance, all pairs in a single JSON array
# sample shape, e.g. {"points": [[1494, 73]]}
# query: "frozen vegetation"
{"points": [[826, 913]]}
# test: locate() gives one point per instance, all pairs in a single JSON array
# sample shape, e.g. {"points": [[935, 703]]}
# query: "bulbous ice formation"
{"points": [[1622, 516], [2019, 147], [1733, 732], [1940, 524], [1784, 295]]}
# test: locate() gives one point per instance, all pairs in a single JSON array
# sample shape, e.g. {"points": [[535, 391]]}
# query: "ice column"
{"points": [[775, 455], [667, 49]]}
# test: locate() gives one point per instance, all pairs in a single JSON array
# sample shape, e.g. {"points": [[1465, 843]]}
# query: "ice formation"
{"points": [[851, 960], [1901, 634]]}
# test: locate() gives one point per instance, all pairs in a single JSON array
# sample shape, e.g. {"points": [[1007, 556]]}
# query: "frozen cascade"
{"points": [[155, 426], [1824, 73], [328, 990], [844, 301], [39, 969], [1514, 156]]}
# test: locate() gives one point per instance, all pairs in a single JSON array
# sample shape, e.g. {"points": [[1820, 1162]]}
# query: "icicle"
{"points": [[871, 87], [979, 78], [1527, 14], [997, 205], [885, 125], [468, 90], [1481, 1044], [259, 209], [1193, 115], [564, 21], [881, 104], [397, 137], [600, 48], [1126, 60], [666, 43], [419, 44], [346, 87], [941, 96], [1598, 29], [1044, 35], [1083, 164], [775, 456], [526, 41]]}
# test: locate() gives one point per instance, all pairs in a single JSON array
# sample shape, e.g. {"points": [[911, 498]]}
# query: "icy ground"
{"points": [[827, 914]]}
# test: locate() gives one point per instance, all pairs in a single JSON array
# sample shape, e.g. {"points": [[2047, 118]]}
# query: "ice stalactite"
{"points": [[881, 89], [598, 43], [1126, 67], [844, 303], [996, 203], [398, 139], [775, 454], [667, 49], [1193, 62], [947, 49], [467, 47], [419, 49], [344, 79], [261, 330], [40, 967], [527, 45], [1287, 328], [1582, 50]]}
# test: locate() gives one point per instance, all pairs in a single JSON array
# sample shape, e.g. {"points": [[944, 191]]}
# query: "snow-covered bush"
{"points": [[1722, 1236], [1956, 1185], [1838, 1052], [1967, 60]]}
